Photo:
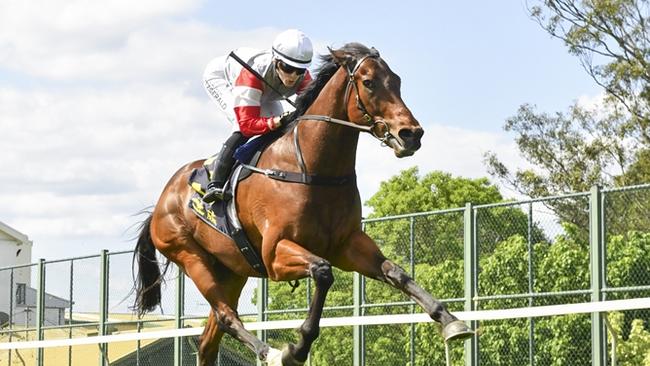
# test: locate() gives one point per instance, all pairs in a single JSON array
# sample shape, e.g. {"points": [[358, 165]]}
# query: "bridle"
{"points": [[373, 121]]}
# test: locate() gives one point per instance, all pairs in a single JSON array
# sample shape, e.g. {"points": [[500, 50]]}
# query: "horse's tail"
{"points": [[148, 280]]}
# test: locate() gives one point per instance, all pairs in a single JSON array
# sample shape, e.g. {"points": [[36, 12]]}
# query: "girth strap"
{"points": [[248, 250], [309, 179], [239, 235]]}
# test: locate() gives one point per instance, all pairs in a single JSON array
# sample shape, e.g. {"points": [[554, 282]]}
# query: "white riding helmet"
{"points": [[293, 48]]}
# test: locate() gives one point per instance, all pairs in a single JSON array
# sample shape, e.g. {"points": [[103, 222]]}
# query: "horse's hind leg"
{"points": [[293, 262], [212, 334], [217, 290], [209, 341], [362, 255]]}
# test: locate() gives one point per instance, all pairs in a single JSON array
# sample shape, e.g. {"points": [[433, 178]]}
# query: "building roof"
{"points": [[50, 300], [14, 234]]}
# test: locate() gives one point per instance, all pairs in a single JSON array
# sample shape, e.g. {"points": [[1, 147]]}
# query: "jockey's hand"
{"points": [[276, 122], [280, 120], [284, 118]]}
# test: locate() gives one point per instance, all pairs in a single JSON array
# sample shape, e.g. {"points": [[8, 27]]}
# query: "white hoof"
{"points": [[274, 357]]}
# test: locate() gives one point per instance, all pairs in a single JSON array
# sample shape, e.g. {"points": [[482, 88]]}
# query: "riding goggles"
{"points": [[290, 69]]}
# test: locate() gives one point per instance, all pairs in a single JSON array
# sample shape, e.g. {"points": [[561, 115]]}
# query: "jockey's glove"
{"points": [[284, 118]]}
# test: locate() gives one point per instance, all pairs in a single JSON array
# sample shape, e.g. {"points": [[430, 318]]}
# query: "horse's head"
{"points": [[373, 98]]}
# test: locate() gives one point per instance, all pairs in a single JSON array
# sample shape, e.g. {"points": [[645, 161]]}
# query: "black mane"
{"points": [[324, 73]]}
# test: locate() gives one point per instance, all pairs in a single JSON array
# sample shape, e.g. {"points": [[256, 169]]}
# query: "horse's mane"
{"points": [[324, 73]]}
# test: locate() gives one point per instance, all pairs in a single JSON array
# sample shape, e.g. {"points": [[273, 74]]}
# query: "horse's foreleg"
{"points": [[362, 255], [293, 262]]}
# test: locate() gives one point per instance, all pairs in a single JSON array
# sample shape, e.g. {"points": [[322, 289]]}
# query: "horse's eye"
{"points": [[369, 84]]}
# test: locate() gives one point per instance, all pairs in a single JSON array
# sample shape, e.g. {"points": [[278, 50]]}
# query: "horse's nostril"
{"points": [[411, 137], [405, 134], [411, 134]]}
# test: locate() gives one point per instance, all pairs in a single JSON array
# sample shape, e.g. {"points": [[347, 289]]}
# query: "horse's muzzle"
{"points": [[407, 142]]}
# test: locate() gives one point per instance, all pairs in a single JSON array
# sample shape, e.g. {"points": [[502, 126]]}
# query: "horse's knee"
{"points": [[321, 272], [226, 320], [395, 274]]}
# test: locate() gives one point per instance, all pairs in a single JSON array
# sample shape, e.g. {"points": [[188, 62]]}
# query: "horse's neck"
{"points": [[329, 149]]}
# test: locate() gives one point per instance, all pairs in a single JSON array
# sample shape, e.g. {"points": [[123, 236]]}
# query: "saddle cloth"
{"points": [[222, 214]]}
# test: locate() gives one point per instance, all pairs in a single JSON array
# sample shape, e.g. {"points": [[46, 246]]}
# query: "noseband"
{"points": [[373, 121]]}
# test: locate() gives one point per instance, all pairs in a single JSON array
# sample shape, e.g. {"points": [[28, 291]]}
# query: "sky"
{"points": [[101, 101]]}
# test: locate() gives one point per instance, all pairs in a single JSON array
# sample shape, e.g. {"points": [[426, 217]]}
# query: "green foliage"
{"points": [[610, 38], [632, 348], [638, 172], [568, 153], [561, 340], [407, 193], [628, 260], [602, 145], [505, 272], [562, 266]]}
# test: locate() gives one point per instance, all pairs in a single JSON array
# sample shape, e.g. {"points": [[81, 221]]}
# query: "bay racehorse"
{"points": [[299, 230]]}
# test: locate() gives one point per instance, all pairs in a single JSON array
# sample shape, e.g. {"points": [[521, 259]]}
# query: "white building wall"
{"points": [[26, 316], [15, 249]]}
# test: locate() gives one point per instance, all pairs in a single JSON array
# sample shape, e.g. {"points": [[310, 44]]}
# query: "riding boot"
{"points": [[225, 161]]}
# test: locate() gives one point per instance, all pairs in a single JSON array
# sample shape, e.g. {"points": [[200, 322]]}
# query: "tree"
{"points": [[610, 37], [602, 145], [440, 237], [408, 193], [638, 172]]}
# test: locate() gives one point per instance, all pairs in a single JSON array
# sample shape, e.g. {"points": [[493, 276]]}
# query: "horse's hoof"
{"points": [[274, 357], [457, 330], [287, 357]]}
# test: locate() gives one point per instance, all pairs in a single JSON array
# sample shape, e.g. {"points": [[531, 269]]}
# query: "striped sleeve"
{"points": [[247, 95]]}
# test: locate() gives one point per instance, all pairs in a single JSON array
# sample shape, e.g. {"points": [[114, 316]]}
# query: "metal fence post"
{"points": [[531, 288], [412, 272], [471, 268], [597, 278], [40, 309], [103, 305], [262, 296], [180, 312], [357, 345], [71, 299], [11, 309]]}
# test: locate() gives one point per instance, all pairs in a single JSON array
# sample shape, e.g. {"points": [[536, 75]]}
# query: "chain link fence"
{"points": [[528, 253]]}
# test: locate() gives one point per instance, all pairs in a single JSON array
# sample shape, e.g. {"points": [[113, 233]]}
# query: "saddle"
{"points": [[222, 214]]}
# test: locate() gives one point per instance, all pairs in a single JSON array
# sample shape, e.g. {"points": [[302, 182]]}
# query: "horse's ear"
{"points": [[340, 57]]}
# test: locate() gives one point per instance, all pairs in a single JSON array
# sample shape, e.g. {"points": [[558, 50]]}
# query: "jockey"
{"points": [[250, 104]]}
